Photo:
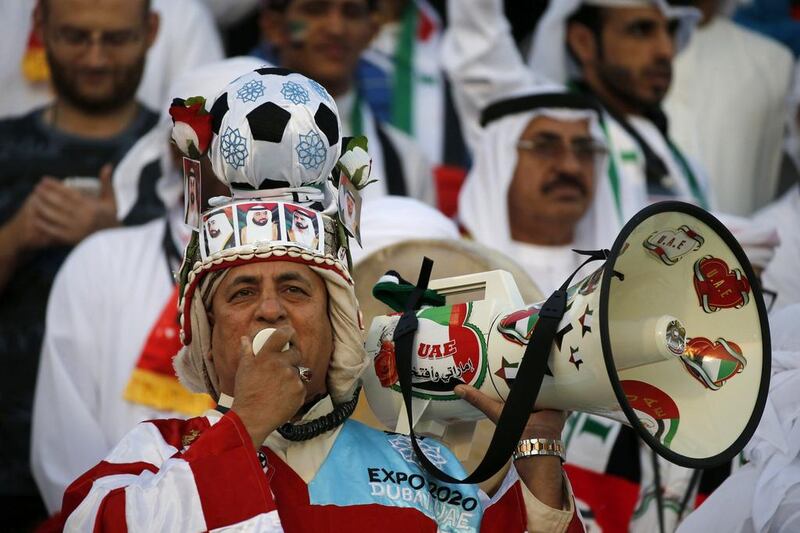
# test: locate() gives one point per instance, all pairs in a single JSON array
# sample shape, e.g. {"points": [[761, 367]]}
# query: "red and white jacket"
{"points": [[203, 474]]}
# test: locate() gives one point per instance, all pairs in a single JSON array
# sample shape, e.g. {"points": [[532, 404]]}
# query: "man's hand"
{"points": [[541, 474], [64, 215], [268, 390]]}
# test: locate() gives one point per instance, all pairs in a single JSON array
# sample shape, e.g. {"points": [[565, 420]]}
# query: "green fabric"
{"points": [[687, 170], [356, 117], [395, 296], [613, 173], [402, 85]]}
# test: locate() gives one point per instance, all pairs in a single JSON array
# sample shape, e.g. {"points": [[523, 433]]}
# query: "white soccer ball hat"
{"points": [[274, 128]]}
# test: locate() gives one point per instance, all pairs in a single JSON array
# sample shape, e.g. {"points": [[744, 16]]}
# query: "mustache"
{"points": [[568, 180], [660, 67]]}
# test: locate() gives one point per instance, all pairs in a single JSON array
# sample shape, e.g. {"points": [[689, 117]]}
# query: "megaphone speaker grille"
{"points": [[690, 374]]}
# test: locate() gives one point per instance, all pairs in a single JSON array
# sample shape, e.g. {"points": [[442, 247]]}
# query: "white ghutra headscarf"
{"points": [[483, 202]]}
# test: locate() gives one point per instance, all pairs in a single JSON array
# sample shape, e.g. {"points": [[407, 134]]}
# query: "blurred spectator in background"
{"points": [[324, 40], [401, 78], [780, 275], [106, 361], [187, 37], [621, 55], [726, 108], [764, 494], [532, 192], [55, 189]]}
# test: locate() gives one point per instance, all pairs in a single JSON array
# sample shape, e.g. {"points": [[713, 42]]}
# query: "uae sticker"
{"points": [[384, 361], [508, 371], [719, 287], [590, 283], [657, 412], [449, 351], [517, 327], [713, 363], [670, 246], [191, 193]]}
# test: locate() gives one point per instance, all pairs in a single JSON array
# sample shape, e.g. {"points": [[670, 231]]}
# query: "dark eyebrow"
{"points": [[547, 135], [244, 279], [291, 276]]}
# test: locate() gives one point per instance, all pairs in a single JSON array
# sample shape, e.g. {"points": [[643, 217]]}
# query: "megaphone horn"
{"points": [[669, 336]]}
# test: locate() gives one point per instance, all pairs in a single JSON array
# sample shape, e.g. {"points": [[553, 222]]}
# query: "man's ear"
{"points": [[583, 43], [38, 21], [153, 23]]}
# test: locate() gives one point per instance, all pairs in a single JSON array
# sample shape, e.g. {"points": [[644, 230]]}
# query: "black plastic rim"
{"points": [[755, 417]]}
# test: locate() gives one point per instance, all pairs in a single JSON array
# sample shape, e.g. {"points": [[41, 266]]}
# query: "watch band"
{"points": [[534, 447]]}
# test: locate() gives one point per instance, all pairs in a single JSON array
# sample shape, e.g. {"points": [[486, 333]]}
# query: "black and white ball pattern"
{"points": [[274, 128]]}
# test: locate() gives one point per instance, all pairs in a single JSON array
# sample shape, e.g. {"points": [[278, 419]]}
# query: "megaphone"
{"points": [[669, 336]]}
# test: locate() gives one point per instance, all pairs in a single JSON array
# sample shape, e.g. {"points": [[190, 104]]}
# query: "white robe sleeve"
{"points": [[66, 437], [481, 59]]}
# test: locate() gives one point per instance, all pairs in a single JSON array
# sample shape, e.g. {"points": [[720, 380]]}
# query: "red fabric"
{"points": [[507, 514], [233, 488], [164, 340], [612, 514], [425, 25], [448, 181], [228, 443], [175, 431], [80, 488], [111, 514], [575, 525]]}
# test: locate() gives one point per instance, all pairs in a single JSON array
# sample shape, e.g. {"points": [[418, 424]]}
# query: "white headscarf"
{"points": [[304, 236], [389, 220], [257, 233], [548, 55], [222, 224], [200, 277], [483, 202]]}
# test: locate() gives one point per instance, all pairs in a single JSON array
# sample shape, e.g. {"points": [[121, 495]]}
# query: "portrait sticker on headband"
{"points": [[350, 208], [191, 193], [218, 233], [258, 222], [303, 227]]}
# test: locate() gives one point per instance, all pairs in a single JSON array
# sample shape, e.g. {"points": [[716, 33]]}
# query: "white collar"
{"points": [[304, 457]]}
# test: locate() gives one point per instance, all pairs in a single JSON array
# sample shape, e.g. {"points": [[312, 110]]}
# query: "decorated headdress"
{"points": [[273, 136]]}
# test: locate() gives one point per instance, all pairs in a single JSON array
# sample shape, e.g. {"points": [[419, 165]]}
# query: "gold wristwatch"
{"points": [[534, 447]]}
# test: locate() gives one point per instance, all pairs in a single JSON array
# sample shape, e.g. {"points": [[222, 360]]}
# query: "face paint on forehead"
{"points": [[298, 31]]}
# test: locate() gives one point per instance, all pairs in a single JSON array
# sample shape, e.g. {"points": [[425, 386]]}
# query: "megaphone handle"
{"points": [[521, 397]]}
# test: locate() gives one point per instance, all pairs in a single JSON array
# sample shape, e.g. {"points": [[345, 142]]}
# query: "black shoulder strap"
{"points": [[395, 177]]}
